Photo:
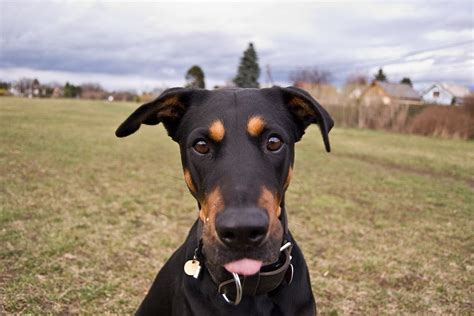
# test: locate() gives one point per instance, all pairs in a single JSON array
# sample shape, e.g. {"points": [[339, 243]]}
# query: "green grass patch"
{"points": [[86, 219]]}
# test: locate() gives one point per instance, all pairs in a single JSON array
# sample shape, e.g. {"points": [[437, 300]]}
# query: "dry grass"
{"points": [[86, 220]]}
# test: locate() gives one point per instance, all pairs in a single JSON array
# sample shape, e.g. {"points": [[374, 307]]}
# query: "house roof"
{"points": [[398, 91], [456, 90]]}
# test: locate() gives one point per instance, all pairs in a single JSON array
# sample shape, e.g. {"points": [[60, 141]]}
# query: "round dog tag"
{"points": [[191, 267]]}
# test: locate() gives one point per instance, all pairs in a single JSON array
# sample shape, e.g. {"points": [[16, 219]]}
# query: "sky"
{"points": [[146, 45]]}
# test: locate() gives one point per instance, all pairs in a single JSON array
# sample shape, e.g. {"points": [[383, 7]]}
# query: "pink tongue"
{"points": [[244, 266]]}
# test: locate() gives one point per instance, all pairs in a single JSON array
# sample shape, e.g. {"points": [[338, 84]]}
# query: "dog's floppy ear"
{"points": [[168, 108], [306, 111]]}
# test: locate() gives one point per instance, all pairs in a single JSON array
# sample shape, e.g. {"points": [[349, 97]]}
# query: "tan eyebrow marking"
{"points": [[255, 125], [217, 131]]}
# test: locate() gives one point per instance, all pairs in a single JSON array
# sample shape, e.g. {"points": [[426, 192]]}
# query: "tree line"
{"points": [[27, 87], [248, 73]]}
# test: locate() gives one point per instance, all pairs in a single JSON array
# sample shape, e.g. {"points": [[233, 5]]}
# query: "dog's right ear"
{"points": [[306, 111], [168, 108]]}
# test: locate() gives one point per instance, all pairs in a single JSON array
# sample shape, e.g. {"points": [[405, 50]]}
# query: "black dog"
{"points": [[237, 151]]}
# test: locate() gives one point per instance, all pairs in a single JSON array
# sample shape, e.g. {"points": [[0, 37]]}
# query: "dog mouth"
{"points": [[244, 266], [244, 262]]}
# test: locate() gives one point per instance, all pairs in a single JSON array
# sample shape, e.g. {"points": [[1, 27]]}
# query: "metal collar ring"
{"points": [[238, 291]]}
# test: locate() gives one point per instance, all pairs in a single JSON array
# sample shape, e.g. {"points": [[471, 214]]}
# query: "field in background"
{"points": [[86, 220]]}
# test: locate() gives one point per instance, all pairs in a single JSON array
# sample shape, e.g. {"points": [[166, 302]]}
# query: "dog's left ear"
{"points": [[168, 108], [306, 111]]}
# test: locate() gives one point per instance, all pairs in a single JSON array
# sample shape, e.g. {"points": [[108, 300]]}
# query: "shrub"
{"points": [[442, 121], [468, 104]]}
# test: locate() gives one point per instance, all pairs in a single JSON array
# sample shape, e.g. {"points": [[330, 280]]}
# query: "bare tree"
{"points": [[24, 86], [357, 79], [92, 91], [312, 76]]}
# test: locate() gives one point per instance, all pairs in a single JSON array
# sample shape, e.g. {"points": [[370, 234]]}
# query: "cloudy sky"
{"points": [[143, 45]]}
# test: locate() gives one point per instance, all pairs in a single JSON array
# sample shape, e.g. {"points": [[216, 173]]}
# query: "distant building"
{"points": [[14, 91], [389, 93], [58, 92], [353, 91], [445, 94]]}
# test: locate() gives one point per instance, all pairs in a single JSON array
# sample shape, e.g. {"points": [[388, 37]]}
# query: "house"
{"points": [[14, 91], [58, 92], [353, 91], [445, 94], [379, 92]]}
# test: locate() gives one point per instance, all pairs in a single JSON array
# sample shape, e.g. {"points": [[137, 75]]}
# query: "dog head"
{"points": [[237, 152]]}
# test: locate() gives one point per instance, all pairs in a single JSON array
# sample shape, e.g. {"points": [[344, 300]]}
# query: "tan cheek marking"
{"points": [[217, 131], [289, 177], [189, 180], [212, 204], [255, 125], [269, 201]]}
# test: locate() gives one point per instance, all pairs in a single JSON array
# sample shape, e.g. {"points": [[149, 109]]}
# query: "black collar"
{"points": [[266, 280]]}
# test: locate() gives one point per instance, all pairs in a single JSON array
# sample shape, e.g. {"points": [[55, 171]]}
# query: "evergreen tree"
{"points": [[71, 91], [380, 76], [249, 71], [195, 78], [407, 81]]}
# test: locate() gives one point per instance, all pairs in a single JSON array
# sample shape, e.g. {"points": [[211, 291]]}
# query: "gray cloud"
{"points": [[161, 41]]}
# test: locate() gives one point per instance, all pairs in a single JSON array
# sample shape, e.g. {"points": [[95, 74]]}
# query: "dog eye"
{"points": [[201, 147], [274, 143]]}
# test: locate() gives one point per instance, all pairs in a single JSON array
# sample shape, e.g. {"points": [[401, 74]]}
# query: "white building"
{"points": [[445, 94]]}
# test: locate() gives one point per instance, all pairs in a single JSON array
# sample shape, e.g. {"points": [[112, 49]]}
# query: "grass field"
{"points": [[386, 221]]}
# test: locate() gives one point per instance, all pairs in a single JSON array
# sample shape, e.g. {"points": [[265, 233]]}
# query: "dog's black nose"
{"points": [[242, 227]]}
